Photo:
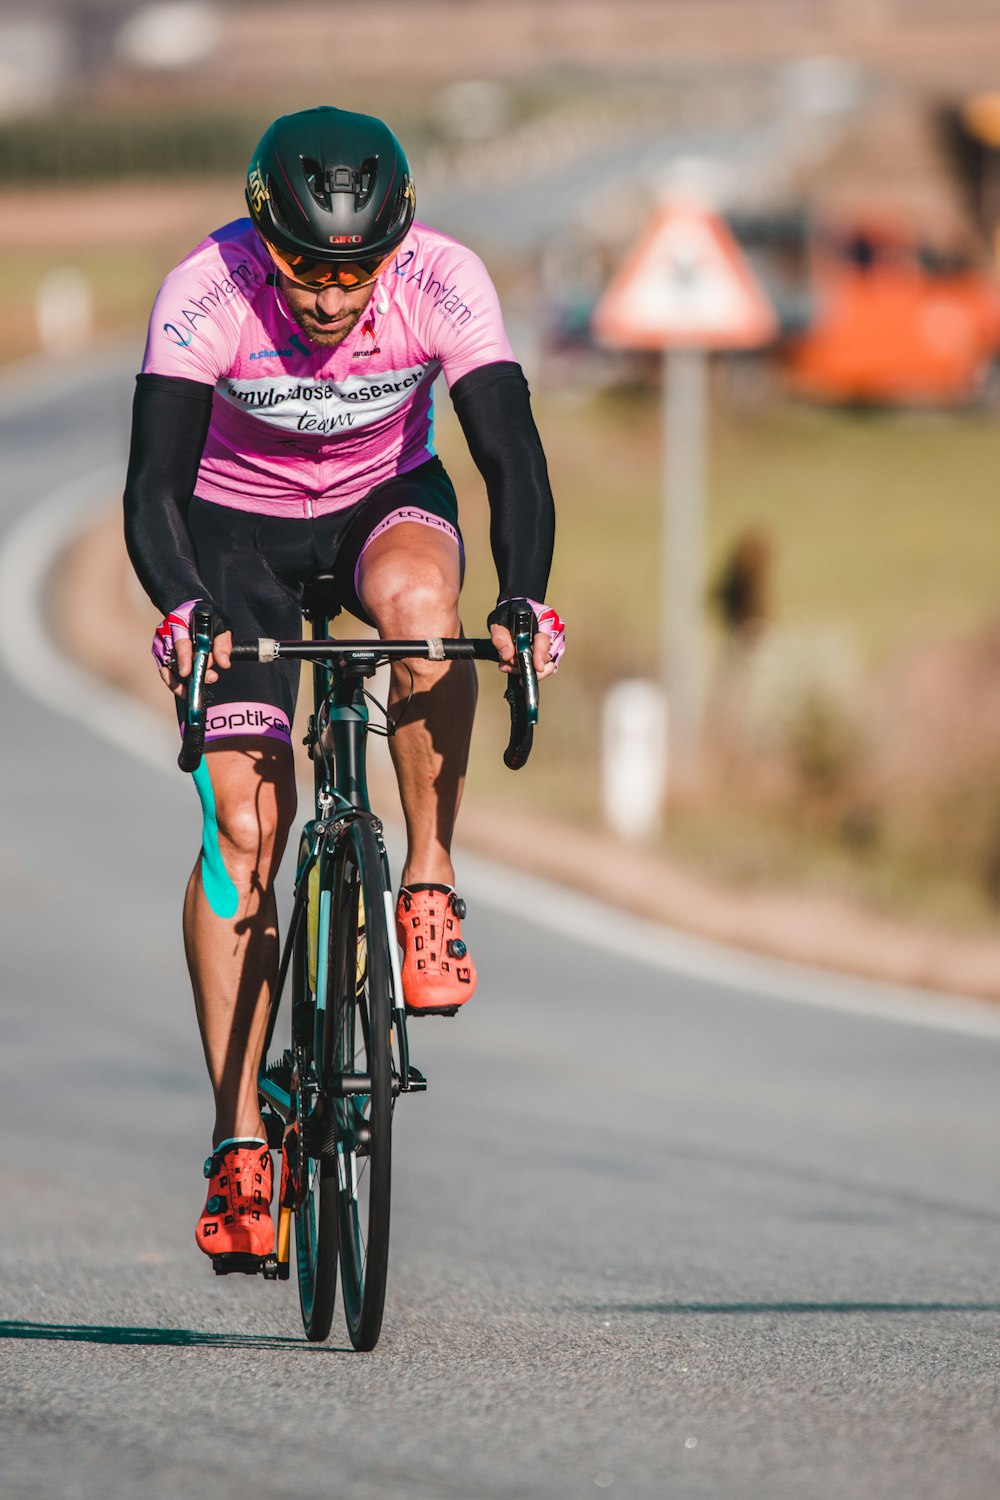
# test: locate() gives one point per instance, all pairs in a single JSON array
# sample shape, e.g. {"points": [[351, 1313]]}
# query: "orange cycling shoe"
{"points": [[236, 1219], [438, 974]]}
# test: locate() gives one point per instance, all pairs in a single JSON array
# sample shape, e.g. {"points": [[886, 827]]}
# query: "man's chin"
{"points": [[328, 336]]}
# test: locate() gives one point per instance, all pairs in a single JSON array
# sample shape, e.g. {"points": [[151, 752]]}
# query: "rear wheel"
{"points": [[361, 1097]]}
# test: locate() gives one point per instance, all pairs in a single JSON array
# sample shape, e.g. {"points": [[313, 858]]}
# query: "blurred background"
{"points": [[851, 601]]}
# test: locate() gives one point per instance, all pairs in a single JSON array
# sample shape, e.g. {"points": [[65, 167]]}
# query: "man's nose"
{"points": [[331, 300]]}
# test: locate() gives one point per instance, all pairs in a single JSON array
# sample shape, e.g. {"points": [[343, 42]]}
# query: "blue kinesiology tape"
{"points": [[220, 892]]}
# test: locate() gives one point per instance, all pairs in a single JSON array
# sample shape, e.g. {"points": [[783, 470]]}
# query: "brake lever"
{"points": [[522, 695], [189, 758]]}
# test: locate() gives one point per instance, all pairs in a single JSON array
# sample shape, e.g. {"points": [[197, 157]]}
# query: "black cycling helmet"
{"points": [[326, 184]]}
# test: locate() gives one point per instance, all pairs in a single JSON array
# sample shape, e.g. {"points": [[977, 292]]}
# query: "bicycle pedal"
{"points": [[240, 1262]]}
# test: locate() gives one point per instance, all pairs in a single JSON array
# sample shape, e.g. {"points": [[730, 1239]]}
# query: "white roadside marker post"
{"points": [[64, 309], [634, 758]]}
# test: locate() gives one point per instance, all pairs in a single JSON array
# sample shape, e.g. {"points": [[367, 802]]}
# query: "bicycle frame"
{"points": [[337, 740]]}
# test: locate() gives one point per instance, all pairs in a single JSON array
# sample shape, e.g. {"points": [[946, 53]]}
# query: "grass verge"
{"points": [[883, 536]]}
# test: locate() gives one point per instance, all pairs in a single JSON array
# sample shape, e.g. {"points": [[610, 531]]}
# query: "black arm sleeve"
{"points": [[494, 409], [170, 419]]}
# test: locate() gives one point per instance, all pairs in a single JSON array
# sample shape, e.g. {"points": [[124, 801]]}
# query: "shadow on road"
{"points": [[174, 1338], [668, 1308]]}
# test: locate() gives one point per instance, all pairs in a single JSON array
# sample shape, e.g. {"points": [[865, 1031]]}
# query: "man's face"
{"points": [[328, 315]]}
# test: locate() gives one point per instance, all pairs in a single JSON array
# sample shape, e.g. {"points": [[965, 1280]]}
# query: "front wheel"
{"points": [[316, 1247], [314, 1169], [358, 1087]]}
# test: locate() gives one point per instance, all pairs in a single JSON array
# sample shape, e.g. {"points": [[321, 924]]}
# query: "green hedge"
{"points": [[68, 148]]}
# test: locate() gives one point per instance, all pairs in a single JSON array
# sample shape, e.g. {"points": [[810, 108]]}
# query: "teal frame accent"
{"points": [[216, 882], [322, 947]]}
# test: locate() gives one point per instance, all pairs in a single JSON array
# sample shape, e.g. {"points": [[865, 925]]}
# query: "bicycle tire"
{"points": [[316, 1237], [316, 1248], [360, 1034]]}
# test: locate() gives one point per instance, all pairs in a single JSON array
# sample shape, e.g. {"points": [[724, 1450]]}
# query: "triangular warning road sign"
{"points": [[688, 284]]}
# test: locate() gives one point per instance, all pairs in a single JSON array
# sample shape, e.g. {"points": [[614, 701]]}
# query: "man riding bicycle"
{"points": [[283, 429]]}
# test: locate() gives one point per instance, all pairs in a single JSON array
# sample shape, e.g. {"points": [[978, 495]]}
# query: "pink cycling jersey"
{"points": [[299, 430]]}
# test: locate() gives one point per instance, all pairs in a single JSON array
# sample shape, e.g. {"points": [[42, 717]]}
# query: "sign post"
{"points": [[686, 288], [682, 543]]}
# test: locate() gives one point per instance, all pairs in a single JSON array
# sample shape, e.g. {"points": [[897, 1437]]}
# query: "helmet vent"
{"points": [[366, 183], [400, 205], [314, 180]]}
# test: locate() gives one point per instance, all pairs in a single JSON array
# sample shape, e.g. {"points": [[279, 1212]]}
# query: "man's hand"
{"points": [[174, 654], [549, 640]]}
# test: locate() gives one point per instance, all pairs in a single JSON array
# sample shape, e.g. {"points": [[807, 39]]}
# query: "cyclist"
{"points": [[283, 428]]}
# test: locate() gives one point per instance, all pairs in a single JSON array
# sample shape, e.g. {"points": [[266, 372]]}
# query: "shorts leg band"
{"points": [[264, 720], [415, 515]]}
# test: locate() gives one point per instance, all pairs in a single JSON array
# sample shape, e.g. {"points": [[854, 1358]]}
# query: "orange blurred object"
{"points": [[896, 322]]}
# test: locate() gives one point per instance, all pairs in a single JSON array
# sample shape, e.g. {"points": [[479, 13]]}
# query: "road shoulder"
{"points": [[822, 931]]}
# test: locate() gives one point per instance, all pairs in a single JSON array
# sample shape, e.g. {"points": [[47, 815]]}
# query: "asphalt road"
{"points": [[654, 1233]]}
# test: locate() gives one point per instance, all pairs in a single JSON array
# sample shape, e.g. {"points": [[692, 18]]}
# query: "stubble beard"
{"points": [[320, 332], [323, 332]]}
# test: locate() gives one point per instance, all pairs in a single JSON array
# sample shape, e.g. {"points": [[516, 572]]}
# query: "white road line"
{"points": [[27, 553], [28, 383], [583, 919]]}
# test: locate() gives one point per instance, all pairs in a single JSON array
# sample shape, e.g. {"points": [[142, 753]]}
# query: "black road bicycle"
{"points": [[328, 1097]]}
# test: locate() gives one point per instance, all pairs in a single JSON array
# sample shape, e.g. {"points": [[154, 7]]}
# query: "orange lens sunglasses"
{"points": [[316, 274]]}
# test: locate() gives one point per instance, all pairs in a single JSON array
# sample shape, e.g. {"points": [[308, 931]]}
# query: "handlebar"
{"points": [[521, 693]]}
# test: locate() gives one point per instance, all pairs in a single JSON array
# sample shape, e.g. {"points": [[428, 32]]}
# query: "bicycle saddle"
{"points": [[319, 598]]}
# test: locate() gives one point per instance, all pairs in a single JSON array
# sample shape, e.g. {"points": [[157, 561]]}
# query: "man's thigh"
{"points": [[406, 530], [409, 581], [248, 701]]}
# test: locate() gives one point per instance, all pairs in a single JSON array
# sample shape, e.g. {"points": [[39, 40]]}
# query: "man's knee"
{"points": [[253, 813], [412, 592], [253, 833]]}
